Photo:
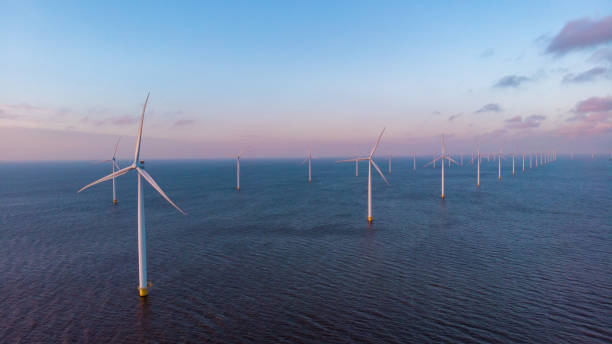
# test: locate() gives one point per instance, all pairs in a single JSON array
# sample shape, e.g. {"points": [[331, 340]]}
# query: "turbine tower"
{"points": [[370, 164], [114, 165], [138, 165], [442, 156]]}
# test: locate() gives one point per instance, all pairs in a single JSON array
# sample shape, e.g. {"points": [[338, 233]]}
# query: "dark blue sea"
{"points": [[524, 260]]}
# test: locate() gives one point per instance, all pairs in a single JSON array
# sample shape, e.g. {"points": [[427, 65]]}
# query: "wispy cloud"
{"points": [[511, 81], [518, 122], [594, 104], [184, 122], [5, 115], [592, 116], [491, 107], [117, 121], [602, 55], [455, 116], [580, 34], [487, 53], [589, 75]]}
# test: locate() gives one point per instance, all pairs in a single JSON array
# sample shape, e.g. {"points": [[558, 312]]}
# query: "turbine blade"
{"points": [[116, 146], [151, 181], [380, 172], [377, 141], [117, 166], [139, 135], [452, 160], [431, 162], [352, 160], [109, 177]]}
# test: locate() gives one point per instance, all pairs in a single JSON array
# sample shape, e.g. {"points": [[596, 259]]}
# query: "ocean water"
{"points": [[527, 259]]}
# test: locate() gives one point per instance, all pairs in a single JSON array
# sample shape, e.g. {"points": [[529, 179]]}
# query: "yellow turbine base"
{"points": [[369, 219], [114, 201], [442, 196], [478, 185], [238, 188], [143, 292]]}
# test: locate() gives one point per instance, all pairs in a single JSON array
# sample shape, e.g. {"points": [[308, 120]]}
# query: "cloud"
{"points": [[6, 115], [124, 120], [487, 52], [589, 75], [594, 104], [121, 120], [518, 122], [580, 34], [436, 112], [514, 119], [182, 122], [491, 107], [454, 117], [511, 81], [602, 55], [592, 116]]}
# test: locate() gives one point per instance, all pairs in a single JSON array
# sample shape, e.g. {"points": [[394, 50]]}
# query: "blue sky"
{"points": [[328, 75]]}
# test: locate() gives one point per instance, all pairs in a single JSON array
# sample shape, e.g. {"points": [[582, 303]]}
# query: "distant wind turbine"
{"points": [[238, 168], [478, 166], [370, 164], [308, 159], [138, 165], [114, 165], [442, 156]]}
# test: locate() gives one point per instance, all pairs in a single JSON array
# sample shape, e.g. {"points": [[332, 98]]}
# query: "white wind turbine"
{"points": [[442, 156], [138, 165], [478, 166], [414, 160], [238, 168], [308, 159], [499, 157], [370, 163], [113, 162]]}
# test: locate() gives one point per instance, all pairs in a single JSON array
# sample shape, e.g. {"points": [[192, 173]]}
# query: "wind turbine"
{"points": [[499, 164], [442, 156], [113, 162], [390, 156], [238, 167], [370, 163], [414, 160], [523, 161], [138, 165], [478, 166], [309, 159], [513, 163]]}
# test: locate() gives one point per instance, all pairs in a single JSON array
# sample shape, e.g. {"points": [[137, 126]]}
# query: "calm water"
{"points": [[525, 260]]}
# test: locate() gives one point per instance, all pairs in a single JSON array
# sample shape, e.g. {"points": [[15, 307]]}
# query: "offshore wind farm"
{"points": [[378, 194]]}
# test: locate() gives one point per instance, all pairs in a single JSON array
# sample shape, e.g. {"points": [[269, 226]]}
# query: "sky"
{"points": [[282, 77]]}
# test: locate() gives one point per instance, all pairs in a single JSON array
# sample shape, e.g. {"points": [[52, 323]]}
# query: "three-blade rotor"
{"points": [[135, 166], [369, 158]]}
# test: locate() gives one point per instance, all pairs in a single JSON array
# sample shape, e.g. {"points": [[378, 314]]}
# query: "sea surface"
{"points": [[524, 260]]}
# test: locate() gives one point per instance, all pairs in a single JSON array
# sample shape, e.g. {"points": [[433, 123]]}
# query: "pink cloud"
{"points": [[594, 104], [593, 116], [518, 122], [581, 33]]}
